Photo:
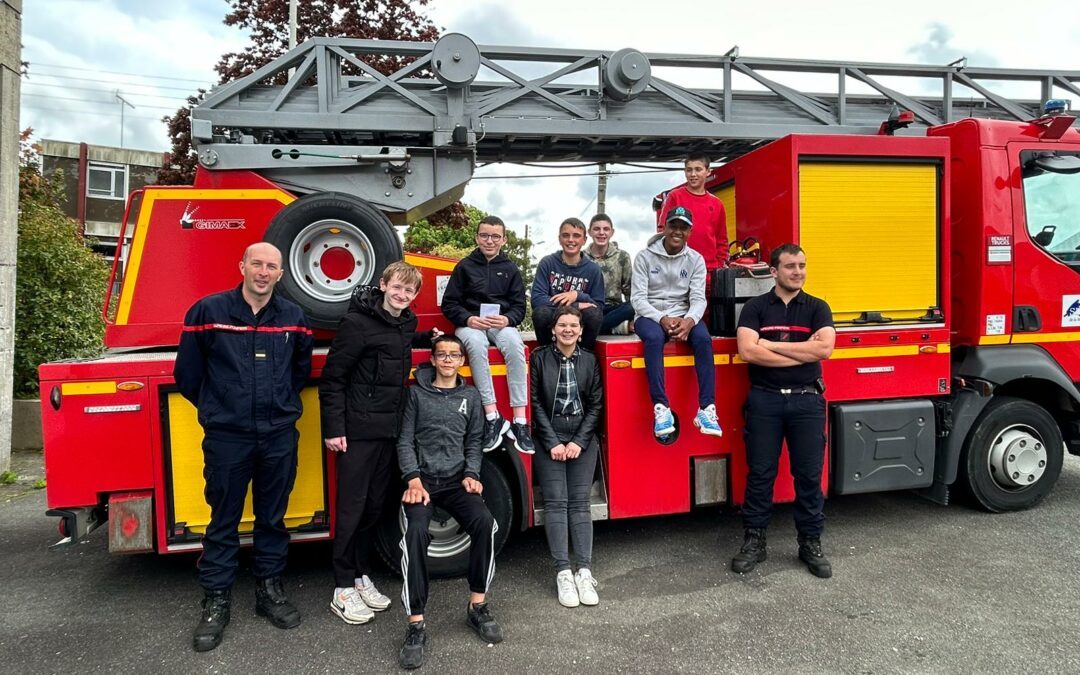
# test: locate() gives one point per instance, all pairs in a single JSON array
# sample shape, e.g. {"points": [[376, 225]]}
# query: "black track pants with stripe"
{"points": [[472, 514]]}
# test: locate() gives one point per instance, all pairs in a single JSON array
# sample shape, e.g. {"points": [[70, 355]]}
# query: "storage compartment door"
{"points": [[187, 513], [870, 232], [883, 445]]}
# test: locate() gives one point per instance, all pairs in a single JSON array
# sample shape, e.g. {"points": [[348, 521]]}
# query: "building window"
{"points": [[106, 181]]}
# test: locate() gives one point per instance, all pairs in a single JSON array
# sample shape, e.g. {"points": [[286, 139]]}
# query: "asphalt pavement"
{"points": [[917, 588]]}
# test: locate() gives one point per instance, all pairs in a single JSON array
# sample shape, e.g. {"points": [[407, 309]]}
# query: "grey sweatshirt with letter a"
{"points": [[441, 429], [668, 285]]}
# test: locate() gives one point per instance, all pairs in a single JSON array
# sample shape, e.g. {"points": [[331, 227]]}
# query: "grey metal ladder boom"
{"points": [[427, 133]]}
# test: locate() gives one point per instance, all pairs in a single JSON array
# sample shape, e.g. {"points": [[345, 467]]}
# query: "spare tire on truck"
{"points": [[331, 242]]}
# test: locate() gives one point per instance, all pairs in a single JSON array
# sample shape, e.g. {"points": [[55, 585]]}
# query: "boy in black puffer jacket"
{"points": [[362, 393], [440, 454]]}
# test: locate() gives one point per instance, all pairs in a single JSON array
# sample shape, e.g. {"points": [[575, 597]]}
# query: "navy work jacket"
{"points": [[244, 371]]}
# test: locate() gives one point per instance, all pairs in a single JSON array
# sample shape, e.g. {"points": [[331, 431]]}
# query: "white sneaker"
{"points": [[348, 604], [663, 421], [586, 587], [371, 595], [622, 328], [568, 590], [706, 422]]}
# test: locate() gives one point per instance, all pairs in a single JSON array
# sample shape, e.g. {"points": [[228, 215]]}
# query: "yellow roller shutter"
{"points": [[726, 194], [870, 232]]}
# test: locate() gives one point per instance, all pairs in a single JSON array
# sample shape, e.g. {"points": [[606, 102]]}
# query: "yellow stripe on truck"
{"points": [[84, 388]]}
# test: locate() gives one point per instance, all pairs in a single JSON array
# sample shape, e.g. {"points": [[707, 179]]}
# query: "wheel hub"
{"points": [[448, 538], [1017, 457], [331, 257]]}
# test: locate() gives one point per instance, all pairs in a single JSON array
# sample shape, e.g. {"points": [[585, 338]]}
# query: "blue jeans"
{"points": [[700, 341], [614, 314], [566, 486], [772, 418]]}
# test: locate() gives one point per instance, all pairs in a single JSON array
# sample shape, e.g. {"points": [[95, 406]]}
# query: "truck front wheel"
{"points": [[331, 243], [448, 552], [1013, 456]]}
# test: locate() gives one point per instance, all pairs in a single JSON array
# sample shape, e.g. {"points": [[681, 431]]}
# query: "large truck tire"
{"points": [[331, 242], [448, 553], [1013, 455]]}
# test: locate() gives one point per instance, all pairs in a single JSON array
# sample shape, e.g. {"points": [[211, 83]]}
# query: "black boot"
{"points": [[216, 607], [811, 554], [270, 601], [752, 551]]}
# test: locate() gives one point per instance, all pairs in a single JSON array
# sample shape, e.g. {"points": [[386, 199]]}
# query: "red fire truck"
{"points": [[949, 252]]}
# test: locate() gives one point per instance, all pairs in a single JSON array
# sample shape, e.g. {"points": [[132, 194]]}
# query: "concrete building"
{"points": [[97, 182]]}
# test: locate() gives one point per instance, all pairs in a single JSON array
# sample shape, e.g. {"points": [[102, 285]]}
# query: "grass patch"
{"points": [[39, 484], [8, 478]]}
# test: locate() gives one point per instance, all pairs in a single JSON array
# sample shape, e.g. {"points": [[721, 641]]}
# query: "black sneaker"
{"points": [[493, 432], [270, 601], [216, 609], [411, 655], [480, 620], [752, 552], [519, 433], [810, 553]]}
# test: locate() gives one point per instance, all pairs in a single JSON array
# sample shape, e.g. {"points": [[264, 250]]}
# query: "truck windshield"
{"points": [[1052, 206]]}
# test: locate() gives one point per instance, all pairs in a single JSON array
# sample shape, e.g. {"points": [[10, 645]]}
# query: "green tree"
{"points": [[60, 283], [451, 233]]}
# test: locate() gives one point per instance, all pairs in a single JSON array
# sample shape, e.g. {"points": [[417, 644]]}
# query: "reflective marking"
{"points": [[95, 409], [871, 352], [437, 264], [82, 388], [676, 361]]}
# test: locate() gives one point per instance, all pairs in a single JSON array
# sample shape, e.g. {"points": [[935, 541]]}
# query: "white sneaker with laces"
{"points": [[348, 604], [568, 592], [371, 595], [706, 422], [586, 587]]}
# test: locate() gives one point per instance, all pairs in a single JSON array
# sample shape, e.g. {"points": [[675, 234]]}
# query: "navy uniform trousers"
{"points": [[268, 463], [772, 418]]}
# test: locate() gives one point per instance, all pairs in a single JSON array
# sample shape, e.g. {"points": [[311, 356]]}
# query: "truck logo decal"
{"points": [[188, 221], [1070, 311]]}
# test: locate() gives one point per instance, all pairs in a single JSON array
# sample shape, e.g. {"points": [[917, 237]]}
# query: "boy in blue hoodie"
{"points": [[439, 454], [568, 278]]}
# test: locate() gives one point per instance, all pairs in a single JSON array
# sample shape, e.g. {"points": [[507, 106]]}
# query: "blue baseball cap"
{"points": [[681, 214]]}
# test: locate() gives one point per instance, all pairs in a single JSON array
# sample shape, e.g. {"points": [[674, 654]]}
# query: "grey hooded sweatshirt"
{"points": [[442, 429], [668, 285]]}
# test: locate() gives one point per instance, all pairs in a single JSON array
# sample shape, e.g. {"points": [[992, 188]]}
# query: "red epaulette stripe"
{"points": [[789, 329], [247, 329]]}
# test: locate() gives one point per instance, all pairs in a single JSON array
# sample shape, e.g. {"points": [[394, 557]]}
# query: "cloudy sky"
{"points": [[155, 53]]}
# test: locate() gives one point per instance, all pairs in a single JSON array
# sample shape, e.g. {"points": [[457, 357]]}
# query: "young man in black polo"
{"points": [[784, 335]]}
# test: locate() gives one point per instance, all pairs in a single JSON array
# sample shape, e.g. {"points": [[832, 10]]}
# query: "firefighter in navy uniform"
{"points": [[243, 358], [784, 335]]}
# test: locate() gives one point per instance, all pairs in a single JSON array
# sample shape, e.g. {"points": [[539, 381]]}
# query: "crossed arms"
{"points": [[761, 352]]}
